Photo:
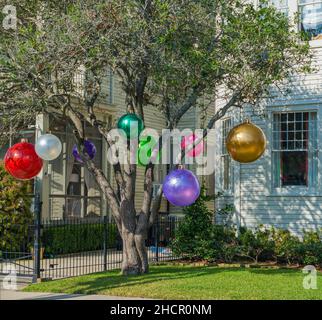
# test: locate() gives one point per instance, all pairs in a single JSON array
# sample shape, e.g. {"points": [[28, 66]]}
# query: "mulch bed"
{"points": [[205, 263]]}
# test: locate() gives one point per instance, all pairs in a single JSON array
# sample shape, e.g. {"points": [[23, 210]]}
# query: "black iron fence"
{"points": [[59, 249]]}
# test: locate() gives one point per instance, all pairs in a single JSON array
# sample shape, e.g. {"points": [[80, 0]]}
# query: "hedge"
{"points": [[74, 238]]}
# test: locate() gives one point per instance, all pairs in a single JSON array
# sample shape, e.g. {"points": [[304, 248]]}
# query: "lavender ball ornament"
{"points": [[89, 150], [181, 187]]}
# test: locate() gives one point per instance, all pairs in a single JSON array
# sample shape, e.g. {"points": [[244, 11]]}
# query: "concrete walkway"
{"points": [[18, 295]]}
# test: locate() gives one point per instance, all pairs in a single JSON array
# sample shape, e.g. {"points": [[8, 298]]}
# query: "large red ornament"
{"points": [[22, 161]]}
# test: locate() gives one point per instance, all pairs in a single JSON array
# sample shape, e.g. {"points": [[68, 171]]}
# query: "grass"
{"points": [[187, 282]]}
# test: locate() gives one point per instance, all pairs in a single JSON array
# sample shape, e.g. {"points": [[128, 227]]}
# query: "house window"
{"points": [[311, 17], [226, 167], [294, 149], [73, 191], [280, 5]]}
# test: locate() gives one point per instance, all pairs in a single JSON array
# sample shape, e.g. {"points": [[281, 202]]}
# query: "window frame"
{"points": [[311, 189], [299, 12], [230, 190], [294, 9]]}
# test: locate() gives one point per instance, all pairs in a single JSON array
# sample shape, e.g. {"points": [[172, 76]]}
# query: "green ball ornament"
{"points": [[128, 121], [145, 150]]}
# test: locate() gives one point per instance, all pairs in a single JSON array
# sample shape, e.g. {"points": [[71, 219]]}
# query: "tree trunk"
{"points": [[131, 259], [135, 260]]}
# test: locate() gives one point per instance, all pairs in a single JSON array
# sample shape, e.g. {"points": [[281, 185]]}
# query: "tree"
{"points": [[15, 213], [165, 53]]}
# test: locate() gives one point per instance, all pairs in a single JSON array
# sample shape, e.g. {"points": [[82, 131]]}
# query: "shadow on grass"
{"points": [[105, 281]]}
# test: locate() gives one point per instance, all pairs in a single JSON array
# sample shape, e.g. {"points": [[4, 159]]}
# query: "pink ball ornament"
{"points": [[188, 141]]}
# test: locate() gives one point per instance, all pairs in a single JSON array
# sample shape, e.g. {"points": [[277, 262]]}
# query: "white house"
{"points": [[283, 188]]}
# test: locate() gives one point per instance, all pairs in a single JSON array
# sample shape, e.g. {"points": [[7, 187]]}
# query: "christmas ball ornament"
{"points": [[89, 151], [22, 161], [131, 122], [246, 142], [145, 149], [190, 140], [181, 187], [48, 147]]}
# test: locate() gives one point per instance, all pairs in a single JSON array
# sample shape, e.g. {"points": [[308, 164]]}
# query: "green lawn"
{"points": [[187, 282]]}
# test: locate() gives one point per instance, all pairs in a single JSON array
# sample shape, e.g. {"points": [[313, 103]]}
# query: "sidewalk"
{"points": [[18, 295]]}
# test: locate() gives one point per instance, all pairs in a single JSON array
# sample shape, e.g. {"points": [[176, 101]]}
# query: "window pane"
{"points": [[74, 186], [298, 116], [294, 168], [290, 117], [226, 168], [74, 208], [56, 208], [291, 145], [277, 166], [290, 126], [57, 175], [226, 126], [311, 18], [226, 172], [93, 207]]}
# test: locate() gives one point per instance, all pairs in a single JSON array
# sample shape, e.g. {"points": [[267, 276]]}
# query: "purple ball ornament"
{"points": [[89, 150], [181, 187]]}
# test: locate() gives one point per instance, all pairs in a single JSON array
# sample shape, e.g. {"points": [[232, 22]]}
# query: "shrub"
{"points": [[73, 238], [286, 246], [225, 243], [193, 238], [311, 237], [310, 250], [310, 253], [255, 244], [15, 213]]}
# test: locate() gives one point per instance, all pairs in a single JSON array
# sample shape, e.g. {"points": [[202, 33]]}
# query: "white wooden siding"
{"points": [[256, 203]]}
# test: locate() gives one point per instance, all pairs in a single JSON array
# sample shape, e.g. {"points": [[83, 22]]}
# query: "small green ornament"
{"points": [[146, 151], [128, 121]]}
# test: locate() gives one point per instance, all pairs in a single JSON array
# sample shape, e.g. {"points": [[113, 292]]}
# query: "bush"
{"points": [[225, 243], [198, 238], [74, 238], [286, 246], [15, 213], [310, 253], [310, 250], [256, 244], [193, 238]]}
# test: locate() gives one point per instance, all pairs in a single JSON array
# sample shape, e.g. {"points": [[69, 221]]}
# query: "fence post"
{"points": [[36, 255], [157, 237], [105, 242]]}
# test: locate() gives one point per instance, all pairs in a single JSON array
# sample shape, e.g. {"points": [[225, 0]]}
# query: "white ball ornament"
{"points": [[48, 147]]}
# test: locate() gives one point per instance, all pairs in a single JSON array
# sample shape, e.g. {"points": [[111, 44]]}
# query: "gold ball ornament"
{"points": [[246, 142]]}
